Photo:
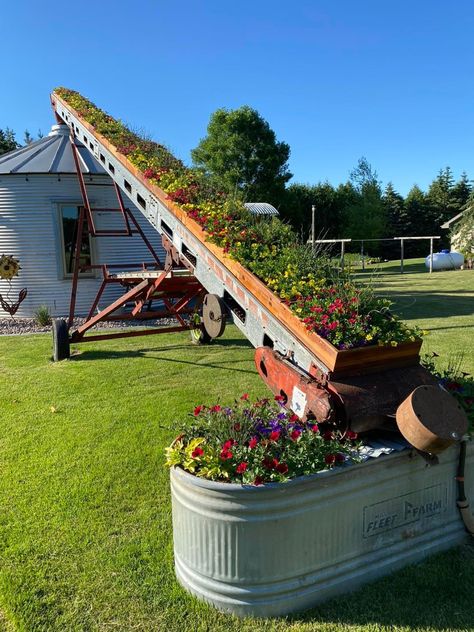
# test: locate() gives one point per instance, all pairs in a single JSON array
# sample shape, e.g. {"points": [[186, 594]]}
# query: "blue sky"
{"points": [[337, 80]]}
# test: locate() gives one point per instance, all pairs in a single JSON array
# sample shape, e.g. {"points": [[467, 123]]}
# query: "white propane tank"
{"points": [[445, 260]]}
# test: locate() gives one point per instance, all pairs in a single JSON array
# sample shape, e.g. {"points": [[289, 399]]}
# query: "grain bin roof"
{"points": [[51, 154], [261, 208]]}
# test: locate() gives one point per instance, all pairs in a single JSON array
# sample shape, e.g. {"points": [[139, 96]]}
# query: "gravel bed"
{"points": [[18, 326]]}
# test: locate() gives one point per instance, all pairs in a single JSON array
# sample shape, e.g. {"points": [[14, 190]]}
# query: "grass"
{"points": [[85, 525], [441, 303]]}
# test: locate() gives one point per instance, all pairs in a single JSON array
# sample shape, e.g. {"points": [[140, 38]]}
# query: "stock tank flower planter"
{"points": [[269, 550]]}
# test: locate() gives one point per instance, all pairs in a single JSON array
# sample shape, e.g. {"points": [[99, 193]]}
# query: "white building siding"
{"points": [[30, 230]]}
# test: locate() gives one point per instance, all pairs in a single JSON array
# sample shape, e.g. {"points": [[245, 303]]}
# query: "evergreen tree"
{"points": [[28, 138], [461, 191], [417, 209], [297, 209], [366, 218], [7, 141], [397, 219], [439, 196]]}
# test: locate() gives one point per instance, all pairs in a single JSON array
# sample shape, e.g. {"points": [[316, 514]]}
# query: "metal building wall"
{"points": [[30, 231]]}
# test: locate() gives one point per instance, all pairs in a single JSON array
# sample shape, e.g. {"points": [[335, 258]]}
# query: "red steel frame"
{"points": [[174, 286]]}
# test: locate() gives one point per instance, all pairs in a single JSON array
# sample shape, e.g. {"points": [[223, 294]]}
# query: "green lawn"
{"points": [[85, 525], [441, 303]]}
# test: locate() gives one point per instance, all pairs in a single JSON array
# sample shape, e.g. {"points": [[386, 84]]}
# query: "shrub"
{"points": [[43, 316]]}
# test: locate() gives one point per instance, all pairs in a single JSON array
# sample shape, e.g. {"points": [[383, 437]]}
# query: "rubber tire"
{"points": [[61, 347], [199, 336]]}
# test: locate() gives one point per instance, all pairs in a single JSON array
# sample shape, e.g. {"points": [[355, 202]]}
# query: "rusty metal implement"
{"points": [[363, 387]]}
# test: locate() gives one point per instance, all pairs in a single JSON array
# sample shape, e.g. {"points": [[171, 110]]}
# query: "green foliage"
{"points": [[464, 229], [366, 217], [242, 154], [42, 316], [7, 141], [296, 208]]}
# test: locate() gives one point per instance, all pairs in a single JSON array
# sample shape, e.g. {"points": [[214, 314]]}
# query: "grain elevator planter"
{"points": [[283, 547]]}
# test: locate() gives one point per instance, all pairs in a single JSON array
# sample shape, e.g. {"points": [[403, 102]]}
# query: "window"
{"points": [[69, 217]]}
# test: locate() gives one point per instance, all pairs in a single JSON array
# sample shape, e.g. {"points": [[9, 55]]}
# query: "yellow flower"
{"points": [[425, 332], [394, 343], [369, 337]]}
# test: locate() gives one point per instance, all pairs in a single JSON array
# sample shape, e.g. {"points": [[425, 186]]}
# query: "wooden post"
{"points": [[401, 255], [313, 225], [431, 255], [362, 255]]}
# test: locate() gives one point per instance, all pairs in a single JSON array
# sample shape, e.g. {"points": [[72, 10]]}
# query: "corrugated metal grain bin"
{"points": [[38, 189]]}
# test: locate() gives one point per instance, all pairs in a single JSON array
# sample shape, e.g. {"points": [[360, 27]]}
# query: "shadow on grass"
{"points": [[147, 354], [393, 268], [432, 303], [418, 596]]}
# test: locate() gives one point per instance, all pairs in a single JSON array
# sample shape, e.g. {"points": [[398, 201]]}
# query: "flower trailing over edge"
{"points": [[257, 443]]}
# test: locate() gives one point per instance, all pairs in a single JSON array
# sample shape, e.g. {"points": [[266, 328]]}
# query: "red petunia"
{"points": [[274, 435], [226, 454], [253, 443], [197, 410], [241, 467], [350, 434], [216, 408], [279, 398], [328, 435], [315, 428], [258, 480], [197, 452], [296, 434], [282, 468], [269, 463], [245, 396], [228, 444], [294, 417], [330, 458]]}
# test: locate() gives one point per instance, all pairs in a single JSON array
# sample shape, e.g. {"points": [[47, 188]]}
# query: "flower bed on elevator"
{"points": [[326, 300]]}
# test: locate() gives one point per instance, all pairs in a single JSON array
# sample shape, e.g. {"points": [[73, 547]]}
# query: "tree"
{"points": [[461, 191], [397, 217], [7, 141], [398, 224], [366, 218], [297, 208], [27, 138], [242, 154], [439, 196], [419, 218]]}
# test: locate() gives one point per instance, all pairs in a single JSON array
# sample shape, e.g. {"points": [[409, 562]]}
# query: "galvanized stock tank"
{"points": [[283, 547]]}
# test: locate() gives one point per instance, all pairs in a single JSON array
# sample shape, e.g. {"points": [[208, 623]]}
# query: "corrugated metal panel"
{"points": [[261, 208], [51, 154], [332, 531], [29, 230]]}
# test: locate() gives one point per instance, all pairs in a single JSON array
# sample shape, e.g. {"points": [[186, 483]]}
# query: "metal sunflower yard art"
{"points": [[9, 268]]}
